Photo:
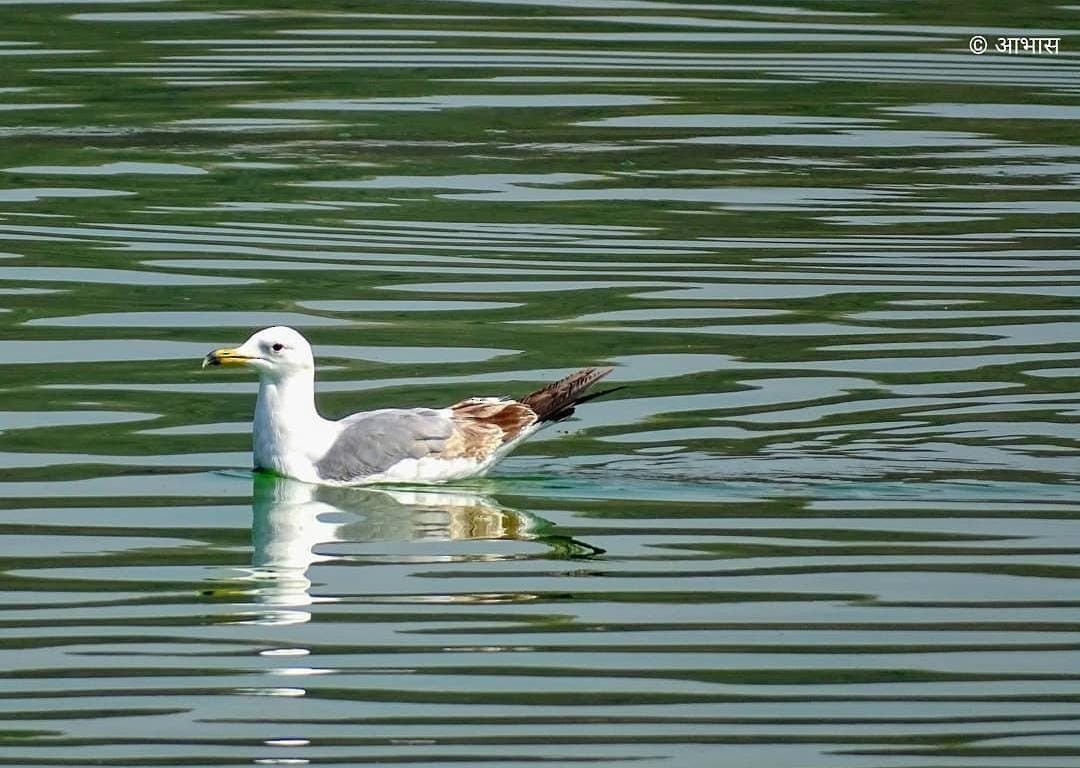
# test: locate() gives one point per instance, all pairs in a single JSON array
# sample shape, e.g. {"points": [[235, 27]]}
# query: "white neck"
{"points": [[289, 434]]}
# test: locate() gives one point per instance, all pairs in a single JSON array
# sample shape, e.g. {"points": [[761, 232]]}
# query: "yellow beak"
{"points": [[225, 356]]}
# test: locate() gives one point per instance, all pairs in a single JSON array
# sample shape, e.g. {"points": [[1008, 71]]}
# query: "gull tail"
{"points": [[557, 401]]}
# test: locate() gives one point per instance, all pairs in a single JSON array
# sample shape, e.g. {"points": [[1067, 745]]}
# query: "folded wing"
{"points": [[477, 430], [372, 442]]}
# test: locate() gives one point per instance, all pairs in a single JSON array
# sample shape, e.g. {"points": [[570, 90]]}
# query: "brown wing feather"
{"points": [[483, 424], [557, 400]]}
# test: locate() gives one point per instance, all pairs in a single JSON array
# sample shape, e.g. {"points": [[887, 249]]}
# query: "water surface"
{"points": [[831, 520]]}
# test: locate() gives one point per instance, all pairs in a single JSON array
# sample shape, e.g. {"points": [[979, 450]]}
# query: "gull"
{"points": [[390, 445]]}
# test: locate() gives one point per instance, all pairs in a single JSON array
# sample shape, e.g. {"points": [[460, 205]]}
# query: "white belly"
{"points": [[426, 470]]}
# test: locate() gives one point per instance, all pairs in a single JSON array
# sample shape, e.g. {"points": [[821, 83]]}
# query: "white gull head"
{"points": [[288, 434], [275, 353]]}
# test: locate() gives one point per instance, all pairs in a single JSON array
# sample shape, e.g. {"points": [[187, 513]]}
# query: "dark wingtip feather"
{"points": [[557, 400]]}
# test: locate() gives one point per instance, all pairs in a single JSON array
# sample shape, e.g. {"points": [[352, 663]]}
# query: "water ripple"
{"points": [[829, 518]]}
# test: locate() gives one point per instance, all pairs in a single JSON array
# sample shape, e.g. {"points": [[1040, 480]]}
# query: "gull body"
{"points": [[392, 445]]}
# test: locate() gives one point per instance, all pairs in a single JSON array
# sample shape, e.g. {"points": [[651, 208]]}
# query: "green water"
{"points": [[833, 518]]}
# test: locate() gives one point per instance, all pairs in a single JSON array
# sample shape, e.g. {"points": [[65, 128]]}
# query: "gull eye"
{"points": [[278, 347]]}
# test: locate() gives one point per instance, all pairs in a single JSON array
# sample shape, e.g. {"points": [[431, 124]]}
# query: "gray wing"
{"points": [[374, 441]]}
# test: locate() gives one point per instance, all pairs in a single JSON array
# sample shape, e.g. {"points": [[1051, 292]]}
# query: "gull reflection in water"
{"points": [[292, 519]]}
